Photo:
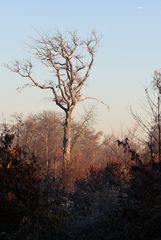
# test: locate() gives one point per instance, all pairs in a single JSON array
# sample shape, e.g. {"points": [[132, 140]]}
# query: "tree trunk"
{"points": [[67, 140]]}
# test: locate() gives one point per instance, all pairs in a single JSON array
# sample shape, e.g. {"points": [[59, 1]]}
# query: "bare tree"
{"points": [[151, 124], [157, 86], [82, 125], [70, 58]]}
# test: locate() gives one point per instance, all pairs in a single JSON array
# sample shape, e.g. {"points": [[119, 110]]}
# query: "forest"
{"points": [[61, 179]]}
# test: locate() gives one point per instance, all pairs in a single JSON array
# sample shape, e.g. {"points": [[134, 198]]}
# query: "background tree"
{"points": [[151, 123], [71, 59], [42, 136]]}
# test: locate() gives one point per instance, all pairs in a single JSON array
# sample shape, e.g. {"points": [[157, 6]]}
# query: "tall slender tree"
{"points": [[70, 58]]}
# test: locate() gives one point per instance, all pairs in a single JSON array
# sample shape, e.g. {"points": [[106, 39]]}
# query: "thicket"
{"points": [[113, 191]]}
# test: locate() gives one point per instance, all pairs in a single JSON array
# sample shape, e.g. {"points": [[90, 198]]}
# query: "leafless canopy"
{"points": [[69, 58]]}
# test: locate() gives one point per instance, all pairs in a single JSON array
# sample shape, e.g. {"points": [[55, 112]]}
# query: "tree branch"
{"points": [[94, 98]]}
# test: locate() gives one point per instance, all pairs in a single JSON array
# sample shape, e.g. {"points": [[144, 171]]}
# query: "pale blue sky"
{"points": [[129, 52]]}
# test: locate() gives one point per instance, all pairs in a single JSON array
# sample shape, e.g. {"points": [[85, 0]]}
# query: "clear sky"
{"points": [[129, 52]]}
